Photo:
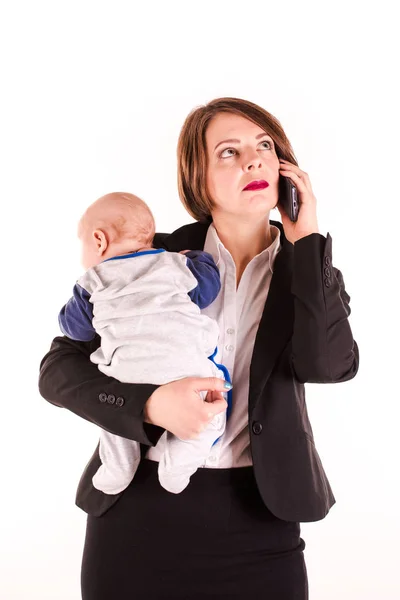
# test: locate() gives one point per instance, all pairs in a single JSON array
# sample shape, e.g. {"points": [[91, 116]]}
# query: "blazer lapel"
{"points": [[276, 324]]}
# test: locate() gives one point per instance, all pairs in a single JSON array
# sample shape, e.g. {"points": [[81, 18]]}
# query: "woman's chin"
{"points": [[259, 198], [259, 205]]}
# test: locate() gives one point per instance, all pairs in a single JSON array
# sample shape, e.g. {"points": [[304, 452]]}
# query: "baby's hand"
{"points": [[184, 251]]}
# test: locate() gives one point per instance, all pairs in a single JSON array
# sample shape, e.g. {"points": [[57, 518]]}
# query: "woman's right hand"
{"points": [[178, 406]]}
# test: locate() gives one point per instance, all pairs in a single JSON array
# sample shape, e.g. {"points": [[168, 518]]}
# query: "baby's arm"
{"points": [[75, 318], [205, 270]]}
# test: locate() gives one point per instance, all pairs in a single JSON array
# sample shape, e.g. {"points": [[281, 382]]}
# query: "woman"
{"points": [[283, 316]]}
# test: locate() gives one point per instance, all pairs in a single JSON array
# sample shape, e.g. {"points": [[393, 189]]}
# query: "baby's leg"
{"points": [[182, 458], [120, 459]]}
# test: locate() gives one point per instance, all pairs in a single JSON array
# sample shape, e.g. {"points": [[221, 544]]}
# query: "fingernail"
{"points": [[227, 385]]}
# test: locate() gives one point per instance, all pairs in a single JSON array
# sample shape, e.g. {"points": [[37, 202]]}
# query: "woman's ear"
{"points": [[100, 240]]}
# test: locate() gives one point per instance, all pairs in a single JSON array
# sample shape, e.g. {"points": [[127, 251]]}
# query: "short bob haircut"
{"points": [[192, 149]]}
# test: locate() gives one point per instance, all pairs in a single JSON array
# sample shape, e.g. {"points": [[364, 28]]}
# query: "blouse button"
{"points": [[229, 347], [230, 330]]}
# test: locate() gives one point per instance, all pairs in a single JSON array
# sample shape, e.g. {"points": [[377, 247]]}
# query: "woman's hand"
{"points": [[179, 408], [307, 222]]}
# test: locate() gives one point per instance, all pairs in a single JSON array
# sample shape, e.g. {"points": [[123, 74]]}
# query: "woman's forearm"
{"points": [[70, 380]]}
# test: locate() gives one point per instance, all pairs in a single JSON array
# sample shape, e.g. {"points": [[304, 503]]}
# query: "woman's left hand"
{"points": [[307, 221]]}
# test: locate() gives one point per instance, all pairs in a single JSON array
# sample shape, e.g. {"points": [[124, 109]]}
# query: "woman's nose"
{"points": [[253, 162]]}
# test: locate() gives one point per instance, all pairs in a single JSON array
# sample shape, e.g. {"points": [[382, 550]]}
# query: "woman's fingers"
{"points": [[216, 407], [179, 407], [213, 396], [307, 222], [205, 384]]}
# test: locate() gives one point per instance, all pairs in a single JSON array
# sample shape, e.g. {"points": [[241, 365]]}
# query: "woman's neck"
{"points": [[243, 240]]}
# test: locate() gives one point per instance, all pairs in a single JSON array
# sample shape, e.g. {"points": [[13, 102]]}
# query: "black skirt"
{"points": [[214, 540]]}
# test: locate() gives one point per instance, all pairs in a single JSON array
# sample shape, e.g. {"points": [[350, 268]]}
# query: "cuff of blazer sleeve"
{"points": [[311, 241], [311, 255], [153, 433], [119, 409]]}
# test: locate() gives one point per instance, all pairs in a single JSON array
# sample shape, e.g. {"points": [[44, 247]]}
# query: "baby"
{"points": [[145, 305]]}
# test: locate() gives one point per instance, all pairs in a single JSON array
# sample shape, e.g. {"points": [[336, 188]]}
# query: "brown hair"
{"points": [[192, 149]]}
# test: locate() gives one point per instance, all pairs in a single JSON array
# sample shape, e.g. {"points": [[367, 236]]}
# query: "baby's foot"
{"points": [[174, 483]]}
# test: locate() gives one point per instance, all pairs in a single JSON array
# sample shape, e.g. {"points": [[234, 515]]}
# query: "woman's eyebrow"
{"points": [[234, 141]]}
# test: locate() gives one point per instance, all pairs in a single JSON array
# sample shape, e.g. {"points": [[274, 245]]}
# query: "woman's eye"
{"points": [[227, 150]]}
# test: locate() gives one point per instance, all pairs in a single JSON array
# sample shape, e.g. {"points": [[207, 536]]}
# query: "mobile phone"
{"points": [[288, 197]]}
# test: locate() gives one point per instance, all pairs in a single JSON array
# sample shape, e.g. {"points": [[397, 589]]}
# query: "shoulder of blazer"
{"points": [[187, 237], [193, 237]]}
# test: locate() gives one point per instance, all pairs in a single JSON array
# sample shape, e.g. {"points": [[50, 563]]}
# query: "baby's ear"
{"points": [[101, 241]]}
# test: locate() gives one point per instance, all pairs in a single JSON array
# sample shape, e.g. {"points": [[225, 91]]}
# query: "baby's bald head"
{"points": [[118, 219]]}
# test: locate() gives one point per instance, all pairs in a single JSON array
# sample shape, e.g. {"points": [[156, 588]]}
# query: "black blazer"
{"points": [[303, 336]]}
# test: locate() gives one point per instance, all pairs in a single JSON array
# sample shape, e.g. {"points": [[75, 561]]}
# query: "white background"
{"points": [[93, 98]]}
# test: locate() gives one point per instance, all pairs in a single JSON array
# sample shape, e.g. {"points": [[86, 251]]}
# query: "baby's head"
{"points": [[115, 224]]}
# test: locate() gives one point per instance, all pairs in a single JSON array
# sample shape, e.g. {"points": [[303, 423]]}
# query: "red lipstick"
{"points": [[258, 184]]}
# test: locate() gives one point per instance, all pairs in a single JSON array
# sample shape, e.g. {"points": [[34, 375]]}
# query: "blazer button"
{"points": [[257, 428], [327, 282], [103, 397], [327, 261], [120, 401], [111, 399], [327, 272]]}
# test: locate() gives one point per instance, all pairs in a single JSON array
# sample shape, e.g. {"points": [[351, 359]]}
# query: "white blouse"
{"points": [[238, 313]]}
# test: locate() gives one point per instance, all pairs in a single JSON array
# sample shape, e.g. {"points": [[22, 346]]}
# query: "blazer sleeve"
{"points": [[323, 348], [205, 270], [69, 379]]}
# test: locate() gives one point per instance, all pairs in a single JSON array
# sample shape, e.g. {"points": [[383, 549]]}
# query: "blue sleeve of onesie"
{"points": [[75, 318], [205, 270]]}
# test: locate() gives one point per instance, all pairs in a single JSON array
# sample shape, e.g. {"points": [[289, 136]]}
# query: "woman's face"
{"points": [[240, 152]]}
